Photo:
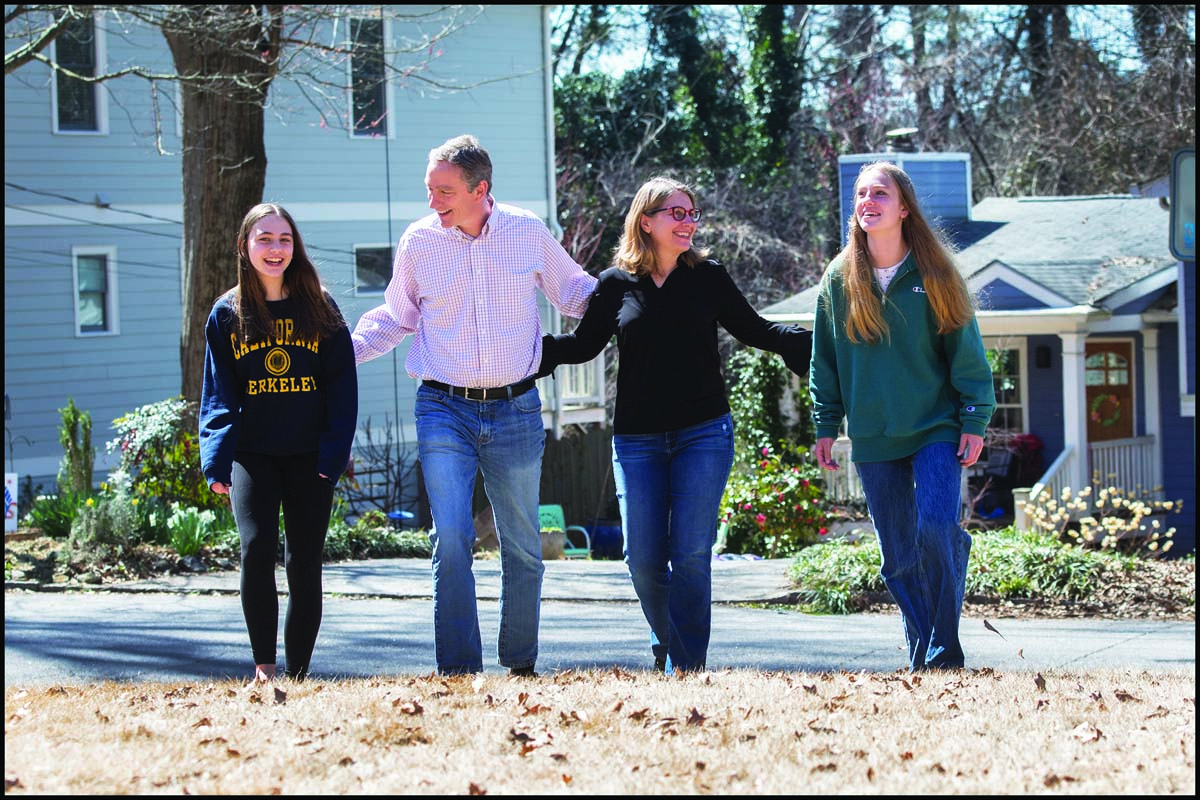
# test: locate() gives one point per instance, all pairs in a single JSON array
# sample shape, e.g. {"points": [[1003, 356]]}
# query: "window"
{"points": [[95, 290], [79, 105], [1106, 369], [1008, 378], [368, 79], [372, 268]]}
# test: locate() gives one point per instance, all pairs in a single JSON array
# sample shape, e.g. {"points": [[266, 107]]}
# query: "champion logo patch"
{"points": [[919, 289], [970, 408]]}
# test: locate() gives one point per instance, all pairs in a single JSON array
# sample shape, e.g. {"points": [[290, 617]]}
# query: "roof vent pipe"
{"points": [[901, 140]]}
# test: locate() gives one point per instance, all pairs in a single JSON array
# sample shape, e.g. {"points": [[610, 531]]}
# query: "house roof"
{"points": [[1063, 251]]}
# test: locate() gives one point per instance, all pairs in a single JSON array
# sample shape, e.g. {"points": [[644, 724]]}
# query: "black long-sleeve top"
{"points": [[284, 396], [669, 374]]}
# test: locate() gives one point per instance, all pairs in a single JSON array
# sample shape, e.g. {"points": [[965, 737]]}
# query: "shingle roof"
{"points": [[1082, 248]]}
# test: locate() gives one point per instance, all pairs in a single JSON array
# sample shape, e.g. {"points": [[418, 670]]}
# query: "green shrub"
{"points": [[103, 530], [402, 544], [159, 451], [774, 507], [1005, 562], [1013, 563], [151, 520], [191, 529], [761, 406], [832, 575], [53, 514], [372, 536], [75, 436]]}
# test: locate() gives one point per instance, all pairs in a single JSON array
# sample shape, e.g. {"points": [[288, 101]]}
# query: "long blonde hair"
{"points": [[951, 300], [634, 252]]}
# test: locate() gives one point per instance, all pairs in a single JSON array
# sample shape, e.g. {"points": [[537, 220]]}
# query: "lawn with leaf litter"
{"points": [[613, 732]]}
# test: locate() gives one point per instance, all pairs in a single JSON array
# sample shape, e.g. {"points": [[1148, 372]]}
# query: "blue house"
{"points": [[92, 221], [1090, 321]]}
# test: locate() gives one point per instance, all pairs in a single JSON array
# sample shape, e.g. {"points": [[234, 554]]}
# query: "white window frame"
{"points": [[358, 291], [110, 300], [101, 96], [1021, 345], [388, 100]]}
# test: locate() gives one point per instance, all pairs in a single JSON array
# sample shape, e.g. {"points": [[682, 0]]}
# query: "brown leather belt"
{"points": [[498, 393]]}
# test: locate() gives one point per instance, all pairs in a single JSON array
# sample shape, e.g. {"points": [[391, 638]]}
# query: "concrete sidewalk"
{"points": [[378, 621], [738, 581]]}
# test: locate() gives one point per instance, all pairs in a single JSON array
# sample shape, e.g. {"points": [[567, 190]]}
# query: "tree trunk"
{"points": [[224, 157]]}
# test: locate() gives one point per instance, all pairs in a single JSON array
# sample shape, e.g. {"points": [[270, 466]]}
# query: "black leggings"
{"points": [[261, 483]]}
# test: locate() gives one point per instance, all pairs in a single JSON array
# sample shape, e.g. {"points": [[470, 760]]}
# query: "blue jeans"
{"points": [[503, 439], [915, 504], [669, 486]]}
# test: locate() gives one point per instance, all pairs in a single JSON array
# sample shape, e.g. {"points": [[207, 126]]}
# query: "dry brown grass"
{"points": [[614, 732]]}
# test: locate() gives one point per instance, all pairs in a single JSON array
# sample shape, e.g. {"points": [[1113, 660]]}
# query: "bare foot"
{"points": [[264, 673]]}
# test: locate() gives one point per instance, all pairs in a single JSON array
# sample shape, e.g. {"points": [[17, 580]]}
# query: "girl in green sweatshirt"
{"points": [[897, 355]]}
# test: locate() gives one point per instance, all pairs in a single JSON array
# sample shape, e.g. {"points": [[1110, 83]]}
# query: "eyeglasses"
{"points": [[679, 213]]}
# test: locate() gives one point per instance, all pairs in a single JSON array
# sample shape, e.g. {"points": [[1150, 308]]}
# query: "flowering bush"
{"points": [[160, 454], [774, 508], [1115, 520]]}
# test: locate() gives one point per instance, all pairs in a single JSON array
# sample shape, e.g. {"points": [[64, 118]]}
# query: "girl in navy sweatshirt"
{"points": [[278, 413]]}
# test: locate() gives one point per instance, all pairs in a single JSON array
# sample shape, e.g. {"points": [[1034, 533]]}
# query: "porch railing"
{"points": [[1126, 464], [843, 485], [1056, 477], [581, 385]]}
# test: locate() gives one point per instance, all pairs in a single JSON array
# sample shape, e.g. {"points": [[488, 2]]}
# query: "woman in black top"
{"points": [[672, 429], [277, 417]]}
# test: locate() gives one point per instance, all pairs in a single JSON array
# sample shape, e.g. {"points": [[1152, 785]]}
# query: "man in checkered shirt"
{"points": [[464, 286]]}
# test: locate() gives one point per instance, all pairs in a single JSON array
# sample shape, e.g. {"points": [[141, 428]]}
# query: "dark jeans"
{"points": [[669, 486], [915, 504], [261, 484]]}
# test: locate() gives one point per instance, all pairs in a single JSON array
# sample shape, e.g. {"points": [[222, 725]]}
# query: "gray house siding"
{"points": [[107, 375], [337, 187]]}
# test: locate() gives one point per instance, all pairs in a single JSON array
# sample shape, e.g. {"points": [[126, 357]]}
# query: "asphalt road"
{"points": [[378, 621]]}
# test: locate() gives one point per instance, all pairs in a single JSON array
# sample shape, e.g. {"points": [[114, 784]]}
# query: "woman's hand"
{"points": [[220, 488], [824, 452]]}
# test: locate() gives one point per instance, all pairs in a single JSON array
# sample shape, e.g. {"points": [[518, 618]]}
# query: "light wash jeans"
{"points": [[915, 504], [669, 486], [504, 439]]}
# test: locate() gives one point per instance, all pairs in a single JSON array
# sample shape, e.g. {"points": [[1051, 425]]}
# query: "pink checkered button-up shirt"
{"points": [[471, 304]]}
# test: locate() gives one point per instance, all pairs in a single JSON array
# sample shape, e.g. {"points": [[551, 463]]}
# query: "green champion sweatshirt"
{"points": [[913, 388]]}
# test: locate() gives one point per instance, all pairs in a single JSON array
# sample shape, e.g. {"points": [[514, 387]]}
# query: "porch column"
{"points": [[1153, 405], [1075, 408]]}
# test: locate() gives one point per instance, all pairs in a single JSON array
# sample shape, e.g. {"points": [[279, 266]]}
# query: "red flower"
{"points": [[822, 532]]}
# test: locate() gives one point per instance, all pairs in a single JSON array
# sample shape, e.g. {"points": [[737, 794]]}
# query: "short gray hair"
{"points": [[466, 153]]}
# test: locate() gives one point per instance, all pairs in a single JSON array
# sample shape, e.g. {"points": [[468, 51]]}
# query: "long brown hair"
{"points": [[634, 253], [315, 318], [949, 297]]}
